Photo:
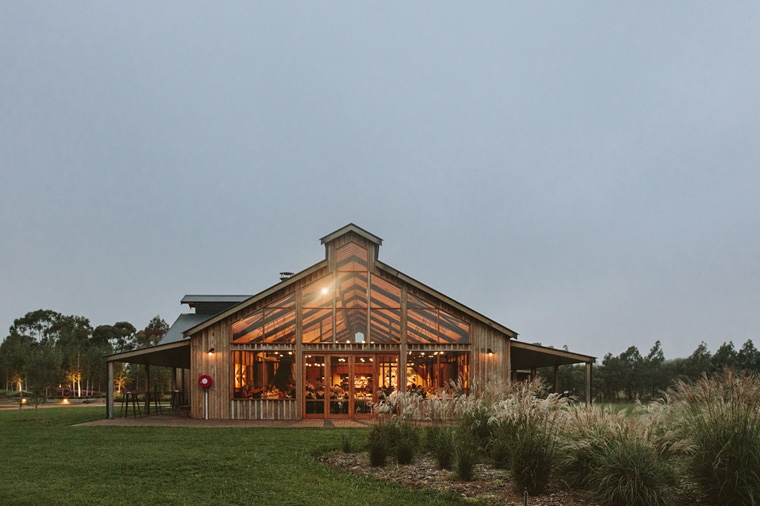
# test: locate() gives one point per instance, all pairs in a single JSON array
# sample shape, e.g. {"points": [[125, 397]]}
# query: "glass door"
{"points": [[364, 384], [314, 385], [339, 384]]}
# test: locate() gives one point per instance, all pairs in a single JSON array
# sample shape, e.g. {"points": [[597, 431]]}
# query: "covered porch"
{"points": [[525, 358], [175, 355]]}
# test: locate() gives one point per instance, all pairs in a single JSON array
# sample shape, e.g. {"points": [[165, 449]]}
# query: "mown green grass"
{"points": [[49, 461]]}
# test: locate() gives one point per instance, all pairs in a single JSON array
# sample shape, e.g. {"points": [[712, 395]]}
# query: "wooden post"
{"points": [[300, 385], [404, 350], [147, 389], [508, 359], [532, 373], [588, 383], [109, 392], [556, 379]]}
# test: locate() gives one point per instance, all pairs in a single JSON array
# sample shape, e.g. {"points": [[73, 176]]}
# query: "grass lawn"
{"points": [[49, 461]]}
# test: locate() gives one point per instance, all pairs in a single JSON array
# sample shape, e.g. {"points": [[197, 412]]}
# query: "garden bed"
{"points": [[490, 486]]}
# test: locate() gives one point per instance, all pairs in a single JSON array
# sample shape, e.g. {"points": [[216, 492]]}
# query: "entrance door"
{"points": [[347, 385]]}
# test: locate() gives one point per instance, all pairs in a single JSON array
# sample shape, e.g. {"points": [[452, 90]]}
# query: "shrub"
{"points": [[718, 420], [531, 462], [377, 445], [346, 443], [465, 452], [406, 442], [440, 443], [631, 473], [394, 436], [502, 441]]}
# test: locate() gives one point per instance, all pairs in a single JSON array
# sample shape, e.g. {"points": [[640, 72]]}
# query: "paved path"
{"points": [[181, 421]]}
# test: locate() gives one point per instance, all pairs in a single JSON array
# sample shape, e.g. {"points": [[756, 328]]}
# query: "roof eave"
{"points": [[352, 228]]}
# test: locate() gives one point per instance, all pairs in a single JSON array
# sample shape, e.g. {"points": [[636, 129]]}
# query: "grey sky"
{"points": [[583, 173]]}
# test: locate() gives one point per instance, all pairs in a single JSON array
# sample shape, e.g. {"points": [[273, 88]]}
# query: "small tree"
{"points": [[42, 372]]}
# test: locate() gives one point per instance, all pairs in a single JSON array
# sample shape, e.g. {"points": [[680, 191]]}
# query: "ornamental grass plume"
{"points": [[524, 430], [718, 422], [616, 457]]}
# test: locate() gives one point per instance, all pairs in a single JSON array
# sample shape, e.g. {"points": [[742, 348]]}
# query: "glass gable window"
{"points": [[276, 323], [263, 375], [352, 290], [428, 325], [279, 325], [318, 294], [249, 330], [351, 326], [384, 294], [352, 257], [317, 325], [385, 326], [422, 326], [452, 330]]}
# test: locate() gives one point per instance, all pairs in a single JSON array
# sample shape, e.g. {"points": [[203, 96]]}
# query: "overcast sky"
{"points": [[586, 174]]}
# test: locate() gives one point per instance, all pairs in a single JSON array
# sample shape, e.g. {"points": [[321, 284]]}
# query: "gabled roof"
{"points": [[181, 324], [306, 272], [355, 229]]}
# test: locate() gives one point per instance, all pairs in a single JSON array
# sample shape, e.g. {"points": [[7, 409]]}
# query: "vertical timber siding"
{"points": [[484, 368], [217, 366]]}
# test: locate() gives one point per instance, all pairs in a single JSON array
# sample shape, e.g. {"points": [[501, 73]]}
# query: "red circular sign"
{"points": [[205, 381]]}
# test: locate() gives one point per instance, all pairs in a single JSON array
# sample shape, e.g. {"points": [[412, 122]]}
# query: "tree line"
{"points": [[632, 376], [47, 353]]}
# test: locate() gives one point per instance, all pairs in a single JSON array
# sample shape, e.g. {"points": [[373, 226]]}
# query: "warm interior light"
{"points": [[324, 291], [210, 351], [65, 401], [490, 352], [23, 401]]}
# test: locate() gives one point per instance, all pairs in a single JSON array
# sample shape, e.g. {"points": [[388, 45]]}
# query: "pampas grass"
{"points": [[718, 422]]}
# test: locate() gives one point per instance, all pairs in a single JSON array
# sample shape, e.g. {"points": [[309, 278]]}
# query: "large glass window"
{"points": [[263, 375], [431, 373], [387, 375]]}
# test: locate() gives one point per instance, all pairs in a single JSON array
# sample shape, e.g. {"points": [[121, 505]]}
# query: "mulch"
{"points": [[490, 486]]}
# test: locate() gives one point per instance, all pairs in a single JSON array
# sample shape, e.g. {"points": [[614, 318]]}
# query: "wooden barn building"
{"points": [[333, 340]]}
